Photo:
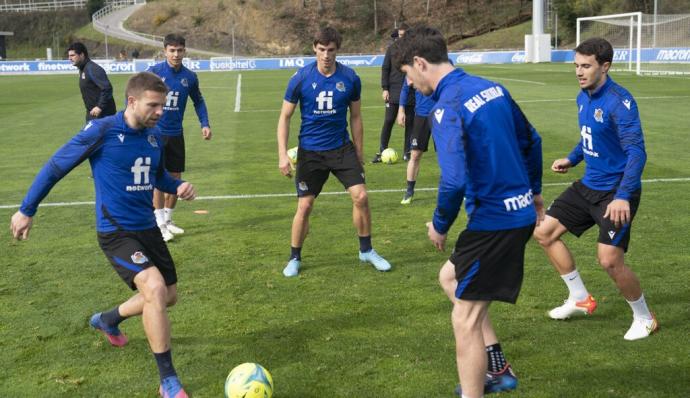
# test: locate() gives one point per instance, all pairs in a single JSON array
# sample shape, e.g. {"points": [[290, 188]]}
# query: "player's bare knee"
{"points": [[610, 263], [305, 207], [544, 237], [361, 199]]}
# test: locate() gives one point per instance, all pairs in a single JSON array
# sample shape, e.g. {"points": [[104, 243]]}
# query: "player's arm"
{"points": [[100, 79], [385, 76], [200, 109], [357, 127], [400, 119], [283, 132], [74, 152], [451, 188], [629, 130]]}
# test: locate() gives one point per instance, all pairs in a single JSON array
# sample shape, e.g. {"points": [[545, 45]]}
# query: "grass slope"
{"points": [[340, 329]]}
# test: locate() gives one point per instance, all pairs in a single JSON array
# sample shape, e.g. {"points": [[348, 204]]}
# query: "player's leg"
{"points": [[154, 291], [346, 167], [386, 129], [467, 318], [310, 175], [419, 142], [409, 125], [569, 212], [175, 164]]}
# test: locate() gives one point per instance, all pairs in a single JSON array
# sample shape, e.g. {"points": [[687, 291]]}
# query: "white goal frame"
{"points": [[634, 48]]}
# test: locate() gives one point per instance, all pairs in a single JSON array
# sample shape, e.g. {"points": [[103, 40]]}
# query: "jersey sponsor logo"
{"points": [[340, 86], [439, 115], [121, 137], [171, 100], [612, 234], [519, 202], [152, 141], [599, 115], [139, 258], [484, 96], [325, 103], [141, 169], [587, 144], [302, 186], [626, 103], [184, 82]]}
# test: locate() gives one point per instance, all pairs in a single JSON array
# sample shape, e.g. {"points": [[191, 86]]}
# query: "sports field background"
{"points": [[340, 329]]}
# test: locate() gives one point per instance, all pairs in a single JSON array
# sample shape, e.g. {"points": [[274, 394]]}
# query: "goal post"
{"points": [[623, 31], [643, 43]]}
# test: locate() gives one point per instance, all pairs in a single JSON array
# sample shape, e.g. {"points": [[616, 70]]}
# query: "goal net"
{"points": [[643, 43]]}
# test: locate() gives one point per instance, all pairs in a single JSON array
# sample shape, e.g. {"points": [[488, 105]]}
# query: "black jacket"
{"points": [[96, 89], [391, 78]]}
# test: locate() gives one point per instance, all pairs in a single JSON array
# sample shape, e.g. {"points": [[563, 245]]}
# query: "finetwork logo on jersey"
{"points": [[171, 101], [324, 103], [141, 169]]}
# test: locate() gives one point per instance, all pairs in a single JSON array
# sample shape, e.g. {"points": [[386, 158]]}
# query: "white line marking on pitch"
{"points": [[292, 194], [238, 93]]}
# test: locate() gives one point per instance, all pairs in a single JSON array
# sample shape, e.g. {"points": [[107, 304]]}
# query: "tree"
{"points": [[94, 5]]}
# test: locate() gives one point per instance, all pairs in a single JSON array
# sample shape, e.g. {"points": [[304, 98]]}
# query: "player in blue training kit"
{"points": [[325, 90], [182, 84], [125, 155], [608, 195], [490, 155], [419, 138]]}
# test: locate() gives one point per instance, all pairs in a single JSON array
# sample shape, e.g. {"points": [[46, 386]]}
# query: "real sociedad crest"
{"points": [[184, 82], [340, 86], [152, 141], [139, 258], [302, 186], [599, 115]]}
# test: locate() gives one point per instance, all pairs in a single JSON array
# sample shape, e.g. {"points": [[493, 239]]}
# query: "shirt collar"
{"points": [[457, 74], [601, 89]]}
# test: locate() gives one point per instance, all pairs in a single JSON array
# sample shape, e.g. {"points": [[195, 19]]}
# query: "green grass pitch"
{"points": [[340, 329]]}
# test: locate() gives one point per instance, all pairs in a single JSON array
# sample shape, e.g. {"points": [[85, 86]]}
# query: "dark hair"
{"points": [[600, 48], [144, 81], [173, 39], [328, 35], [421, 41], [79, 48]]}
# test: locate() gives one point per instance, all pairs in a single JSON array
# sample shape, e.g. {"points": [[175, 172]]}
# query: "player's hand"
{"points": [[561, 166], [20, 225], [385, 95], [206, 133], [437, 239], [539, 207], [285, 166], [400, 119], [186, 191], [618, 211], [95, 111]]}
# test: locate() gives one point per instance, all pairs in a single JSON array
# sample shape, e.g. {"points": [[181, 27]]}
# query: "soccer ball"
{"points": [[292, 155], [249, 380], [389, 156]]}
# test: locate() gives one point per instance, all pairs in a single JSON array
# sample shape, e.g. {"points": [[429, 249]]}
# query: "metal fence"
{"points": [[43, 5]]}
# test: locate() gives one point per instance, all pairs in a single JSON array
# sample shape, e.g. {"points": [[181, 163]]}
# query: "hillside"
{"points": [[277, 27]]}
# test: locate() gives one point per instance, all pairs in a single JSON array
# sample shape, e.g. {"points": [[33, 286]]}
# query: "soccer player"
{"points": [[489, 154], [125, 155], [96, 90], [325, 90], [392, 82], [419, 138], [608, 195], [182, 83]]}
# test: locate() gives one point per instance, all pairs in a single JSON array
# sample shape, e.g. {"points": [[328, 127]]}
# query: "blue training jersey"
{"points": [[181, 85], [323, 104], [487, 151], [126, 166], [422, 103], [612, 144]]}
